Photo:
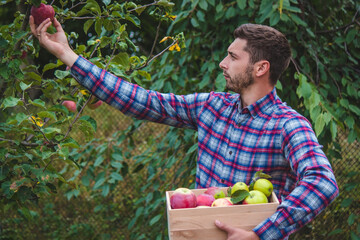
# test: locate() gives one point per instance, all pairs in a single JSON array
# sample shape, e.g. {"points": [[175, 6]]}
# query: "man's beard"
{"points": [[241, 81]]}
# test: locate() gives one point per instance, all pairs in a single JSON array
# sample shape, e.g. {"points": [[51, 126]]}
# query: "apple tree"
{"points": [[35, 129]]}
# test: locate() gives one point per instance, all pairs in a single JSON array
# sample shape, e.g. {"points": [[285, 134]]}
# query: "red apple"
{"points": [[222, 202], [216, 192], [205, 199], [42, 12], [70, 105], [255, 197], [95, 105], [183, 198]]}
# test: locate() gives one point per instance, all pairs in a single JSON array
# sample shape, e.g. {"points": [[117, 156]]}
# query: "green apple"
{"points": [[239, 186], [264, 185], [255, 197]]}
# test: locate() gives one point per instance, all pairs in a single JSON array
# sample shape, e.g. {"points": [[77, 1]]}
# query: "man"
{"points": [[238, 134]]}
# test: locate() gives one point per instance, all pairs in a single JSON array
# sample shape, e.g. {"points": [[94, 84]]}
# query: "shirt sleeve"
{"points": [[316, 185], [135, 101]]}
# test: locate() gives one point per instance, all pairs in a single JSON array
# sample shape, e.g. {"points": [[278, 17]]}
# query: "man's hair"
{"points": [[266, 43]]}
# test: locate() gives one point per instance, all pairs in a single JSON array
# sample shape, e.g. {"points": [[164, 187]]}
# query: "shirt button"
{"points": [[222, 180], [230, 152]]}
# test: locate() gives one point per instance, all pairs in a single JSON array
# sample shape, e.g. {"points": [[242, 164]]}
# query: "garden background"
{"points": [[97, 174]]}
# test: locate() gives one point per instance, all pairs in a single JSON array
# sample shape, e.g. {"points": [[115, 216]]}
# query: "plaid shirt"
{"points": [[234, 143]]}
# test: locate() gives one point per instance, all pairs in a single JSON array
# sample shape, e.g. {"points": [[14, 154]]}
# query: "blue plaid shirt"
{"points": [[235, 143]]}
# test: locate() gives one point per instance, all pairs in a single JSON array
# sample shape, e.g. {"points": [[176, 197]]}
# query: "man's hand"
{"points": [[236, 233], [56, 43]]}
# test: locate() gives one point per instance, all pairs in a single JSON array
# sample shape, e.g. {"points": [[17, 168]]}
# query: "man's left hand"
{"points": [[236, 233]]}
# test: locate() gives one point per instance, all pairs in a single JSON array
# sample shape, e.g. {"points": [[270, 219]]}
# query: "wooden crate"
{"points": [[199, 223]]}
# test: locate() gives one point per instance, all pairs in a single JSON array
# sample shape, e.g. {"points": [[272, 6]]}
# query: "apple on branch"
{"points": [[183, 198], [94, 103], [70, 105], [42, 12]]}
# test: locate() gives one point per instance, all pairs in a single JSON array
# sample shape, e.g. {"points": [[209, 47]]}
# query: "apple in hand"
{"points": [[255, 197], [216, 192], [264, 185], [183, 198], [205, 199], [70, 105], [222, 202], [42, 12]]}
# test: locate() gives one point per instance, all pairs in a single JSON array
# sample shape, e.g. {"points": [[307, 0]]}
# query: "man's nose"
{"points": [[223, 64]]}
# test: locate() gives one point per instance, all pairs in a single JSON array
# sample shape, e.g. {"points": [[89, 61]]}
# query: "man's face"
{"points": [[236, 67]]}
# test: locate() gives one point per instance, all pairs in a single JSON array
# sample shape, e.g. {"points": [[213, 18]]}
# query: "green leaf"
{"points": [[117, 157], [355, 109], [155, 219], [260, 174], [20, 117], [86, 128], [122, 59], [144, 74], [192, 149], [99, 182], [87, 25], [50, 132], [203, 4], [98, 161], [241, 4], [11, 102], [37, 103], [24, 86], [47, 114], [133, 19], [333, 129], [34, 76], [334, 232], [105, 190], [304, 89], [69, 142], [351, 35], [346, 202], [50, 66], [297, 20], [91, 120], [195, 22], [239, 195], [116, 176], [319, 124], [351, 219], [61, 74], [220, 83]]}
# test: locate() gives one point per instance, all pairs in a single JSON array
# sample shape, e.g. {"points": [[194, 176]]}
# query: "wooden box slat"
{"points": [[199, 223]]}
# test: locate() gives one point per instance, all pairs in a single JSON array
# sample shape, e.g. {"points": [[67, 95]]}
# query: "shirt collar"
{"points": [[260, 105]]}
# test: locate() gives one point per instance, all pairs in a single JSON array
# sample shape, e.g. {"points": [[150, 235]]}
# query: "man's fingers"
{"points": [[223, 226], [57, 25], [32, 25], [42, 27]]}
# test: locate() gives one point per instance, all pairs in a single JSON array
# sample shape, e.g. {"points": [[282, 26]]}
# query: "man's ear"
{"points": [[262, 67]]}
